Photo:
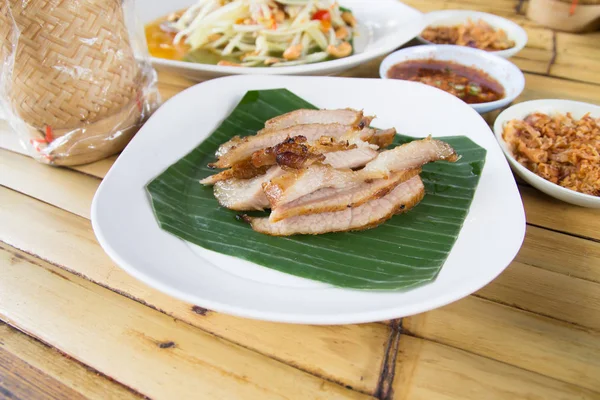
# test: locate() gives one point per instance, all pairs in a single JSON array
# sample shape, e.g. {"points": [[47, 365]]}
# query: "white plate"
{"points": [[125, 226], [520, 111], [456, 17], [382, 28], [506, 73]]}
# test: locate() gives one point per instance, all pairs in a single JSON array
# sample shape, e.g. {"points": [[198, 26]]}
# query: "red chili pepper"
{"points": [[322, 15], [49, 135]]}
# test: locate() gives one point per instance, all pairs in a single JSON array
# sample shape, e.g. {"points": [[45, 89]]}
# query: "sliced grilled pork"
{"points": [[303, 117], [402, 198], [245, 194], [383, 137], [352, 158], [296, 184], [337, 199], [228, 145], [296, 153], [411, 155], [242, 170], [244, 147]]}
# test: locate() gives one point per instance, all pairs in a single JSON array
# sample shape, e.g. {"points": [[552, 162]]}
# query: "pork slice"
{"points": [[355, 157], [295, 184], [415, 154], [303, 117], [245, 194], [228, 145], [244, 147], [337, 199], [370, 214], [411, 155], [241, 170], [383, 137], [352, 158]]}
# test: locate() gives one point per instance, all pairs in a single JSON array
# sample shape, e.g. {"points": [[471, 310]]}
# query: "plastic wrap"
{"points": [[76, 81]]}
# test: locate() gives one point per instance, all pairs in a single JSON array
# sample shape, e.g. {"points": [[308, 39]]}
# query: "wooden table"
{"points": [[74, 325]]}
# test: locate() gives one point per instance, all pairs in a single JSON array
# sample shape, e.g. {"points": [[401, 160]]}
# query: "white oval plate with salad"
{"points": [[382, 27], [126, 227]]}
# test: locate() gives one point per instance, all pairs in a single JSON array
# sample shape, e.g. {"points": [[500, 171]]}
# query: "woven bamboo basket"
{"points": [[76, 84]]}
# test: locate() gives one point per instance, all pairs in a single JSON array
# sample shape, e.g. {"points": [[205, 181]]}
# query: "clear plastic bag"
{"points": [[76, 81]]}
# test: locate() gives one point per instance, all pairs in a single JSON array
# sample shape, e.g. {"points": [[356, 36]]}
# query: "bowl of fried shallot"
{"points": [[554, 145], [478, 30]]}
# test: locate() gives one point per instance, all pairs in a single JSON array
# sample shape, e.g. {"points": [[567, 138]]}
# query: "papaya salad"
{"points": [[254, 33]]}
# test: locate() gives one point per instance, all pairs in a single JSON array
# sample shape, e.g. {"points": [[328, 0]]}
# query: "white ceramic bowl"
{"points": [[456, 17], [520, 111], [505, 72], [382, 29]]}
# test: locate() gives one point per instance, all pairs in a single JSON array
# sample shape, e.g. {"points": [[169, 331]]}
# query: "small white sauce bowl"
{"points": [[502, 70], [457, 17], [522, 110]]}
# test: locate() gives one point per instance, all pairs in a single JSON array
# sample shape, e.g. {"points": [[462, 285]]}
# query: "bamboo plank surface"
{"points": [[34, 179], [349, 354], [561, 253], [546, 211], [57, 250], [577, 57], [115, 335], [534, 332], [428, 370], [532, 342], [59, 371], [21, 380], [547, 293]]}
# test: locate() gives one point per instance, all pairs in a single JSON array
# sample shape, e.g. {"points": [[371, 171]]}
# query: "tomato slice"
{"points": [[322, 15]]}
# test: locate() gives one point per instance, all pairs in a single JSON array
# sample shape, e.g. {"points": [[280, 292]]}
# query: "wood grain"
{"points": [[349, 354], [548, 293], [532, 342], [545, 87], [66, 189], [578, 56], [427, 370], [532, 333], [140, 347], [548, 212], [65, 373], [19, 380], [561, 253], [533, 60], [86, 258]]}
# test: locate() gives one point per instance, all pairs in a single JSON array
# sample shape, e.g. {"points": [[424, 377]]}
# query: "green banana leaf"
{"points": [[406, 251]]}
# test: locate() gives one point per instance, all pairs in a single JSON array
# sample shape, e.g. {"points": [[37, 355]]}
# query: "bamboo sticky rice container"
{"points": [[565, 15], [76, 91]]}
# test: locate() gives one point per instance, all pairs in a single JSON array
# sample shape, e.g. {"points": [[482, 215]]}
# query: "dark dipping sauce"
{"points": [[468, 84]]}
